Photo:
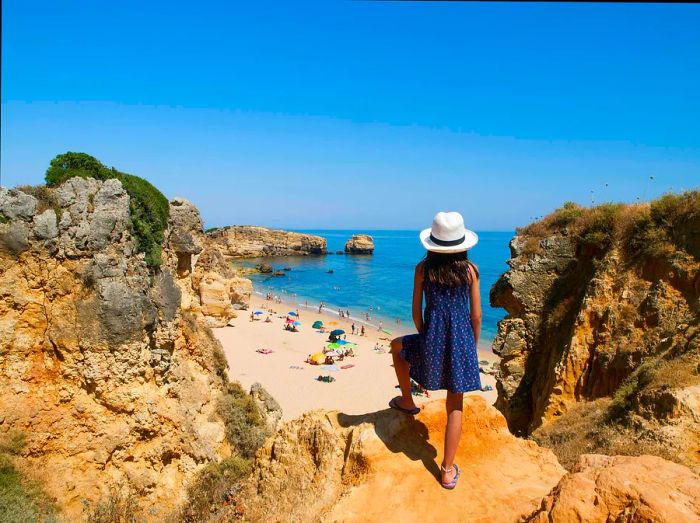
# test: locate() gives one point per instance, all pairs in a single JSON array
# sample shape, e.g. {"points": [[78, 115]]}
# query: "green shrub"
{"points": [[148, 208], [245, 426], [212, 487], [70, 165], [21, 500]]}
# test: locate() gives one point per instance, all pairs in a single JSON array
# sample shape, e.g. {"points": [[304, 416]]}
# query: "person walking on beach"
{"points": [[352, 328], [362, 333], [442, 355], [381, 324]]}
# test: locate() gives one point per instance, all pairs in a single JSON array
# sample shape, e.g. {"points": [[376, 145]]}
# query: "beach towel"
{"points": [[330, 368], [264, 351], [348, 366]]}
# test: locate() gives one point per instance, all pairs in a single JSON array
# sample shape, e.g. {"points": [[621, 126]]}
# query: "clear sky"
{"points": [[359, 114]]}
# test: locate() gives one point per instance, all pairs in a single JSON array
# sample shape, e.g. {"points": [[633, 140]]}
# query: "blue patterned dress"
{"points": [[444, 355]]}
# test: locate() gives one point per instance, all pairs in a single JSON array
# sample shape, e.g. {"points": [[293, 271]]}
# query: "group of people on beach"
{"points": [[360, 330], [273, 297]]}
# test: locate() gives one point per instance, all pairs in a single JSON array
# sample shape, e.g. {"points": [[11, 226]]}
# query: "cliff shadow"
{"points": [[400, 433]]}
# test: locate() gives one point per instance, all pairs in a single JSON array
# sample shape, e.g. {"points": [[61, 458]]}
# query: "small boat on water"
{"points": [[278, 273], [287, 268], [330, 271]]}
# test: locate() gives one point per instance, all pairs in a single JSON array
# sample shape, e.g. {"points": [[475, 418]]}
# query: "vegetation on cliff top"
{"points": [[644, 229], [148, 207]]}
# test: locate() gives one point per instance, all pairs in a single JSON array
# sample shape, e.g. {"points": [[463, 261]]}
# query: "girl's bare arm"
{"points": [[475, 308], [417, 307]]}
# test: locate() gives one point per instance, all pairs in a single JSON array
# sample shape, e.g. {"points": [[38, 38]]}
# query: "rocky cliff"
{"points": [[600, 346], [360, 244], [105, 366], [250, 241], [330, 466]]}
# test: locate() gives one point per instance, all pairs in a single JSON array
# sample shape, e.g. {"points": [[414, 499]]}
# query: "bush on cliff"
{"points": [[245, 427], [214, 486], [148, 207], [661, 225]]}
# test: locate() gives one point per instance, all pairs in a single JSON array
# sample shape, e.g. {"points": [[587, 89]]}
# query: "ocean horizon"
{"points": [[380, 285]]}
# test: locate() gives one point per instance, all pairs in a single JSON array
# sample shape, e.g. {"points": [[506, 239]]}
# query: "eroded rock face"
{"points": [[579, 325], [335, 467], [620, 488], [359, 244], [248, 240], [209, 283], [112, 382]]}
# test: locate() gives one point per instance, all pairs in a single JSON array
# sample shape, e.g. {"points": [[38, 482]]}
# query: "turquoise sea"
{"points": [[382, 281]]}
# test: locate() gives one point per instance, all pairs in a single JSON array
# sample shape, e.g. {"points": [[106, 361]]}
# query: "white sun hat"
{"points": [[448, 234]]}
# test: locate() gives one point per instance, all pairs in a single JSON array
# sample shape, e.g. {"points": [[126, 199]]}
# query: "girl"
{"points": [[443, 353]]}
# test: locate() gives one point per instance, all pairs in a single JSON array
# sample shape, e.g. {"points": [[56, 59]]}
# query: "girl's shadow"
{"points": [[400, 432]]}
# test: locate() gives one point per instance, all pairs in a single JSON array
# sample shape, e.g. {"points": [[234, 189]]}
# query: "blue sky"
{"points": [[359, 114]]}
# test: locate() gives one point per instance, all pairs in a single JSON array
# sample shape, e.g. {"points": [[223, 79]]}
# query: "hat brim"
{"points": [[470, 240]]}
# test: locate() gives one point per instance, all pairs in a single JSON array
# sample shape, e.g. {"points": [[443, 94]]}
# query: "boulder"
{"points": [[601, 489], [264, 268], [360, 244], [268, 406], [333, 466]]}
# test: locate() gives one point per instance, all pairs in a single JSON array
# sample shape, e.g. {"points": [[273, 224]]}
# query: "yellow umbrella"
{"points": [[319, 357]]}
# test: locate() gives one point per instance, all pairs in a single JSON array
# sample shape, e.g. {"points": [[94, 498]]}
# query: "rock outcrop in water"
{"points": [[600, 347], [360, 244], [104, 364], [251, 241]]}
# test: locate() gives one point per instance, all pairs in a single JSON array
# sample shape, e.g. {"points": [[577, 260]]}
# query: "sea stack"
{"points": [[360, 244]]}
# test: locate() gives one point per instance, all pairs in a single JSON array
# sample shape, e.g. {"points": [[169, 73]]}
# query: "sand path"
{"points": [[366, 387]]}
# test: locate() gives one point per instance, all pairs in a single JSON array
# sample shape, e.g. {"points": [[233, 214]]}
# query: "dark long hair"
{"points": [[450, 269]]}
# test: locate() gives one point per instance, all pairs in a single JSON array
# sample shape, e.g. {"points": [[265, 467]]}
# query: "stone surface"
{"points": [[248, 240], [268, 406], [577, 327], [337, 467], [111, 378], [360, 244], [601, 489]]}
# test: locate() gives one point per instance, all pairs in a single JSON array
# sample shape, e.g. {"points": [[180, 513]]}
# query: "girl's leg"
{"points": [[453, 431], [401, 369]]}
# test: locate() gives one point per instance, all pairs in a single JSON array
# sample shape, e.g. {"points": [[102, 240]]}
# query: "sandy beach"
{"points": [[366, 387]]}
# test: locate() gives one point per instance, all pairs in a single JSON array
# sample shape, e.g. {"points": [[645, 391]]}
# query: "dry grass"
{"points": [[586, 429], [215, 485], [660, 226], [121, 506], [45, 197]]}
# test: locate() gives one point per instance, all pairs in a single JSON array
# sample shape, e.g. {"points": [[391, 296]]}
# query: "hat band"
{"points": [[446, 243]]}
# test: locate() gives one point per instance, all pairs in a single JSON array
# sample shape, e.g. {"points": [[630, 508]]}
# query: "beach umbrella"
{"points": [[337, 332], [319, 357], [331, 353], [332, 323], [292, 313], [342, 342], [296, 323], [334, 346], [258, 312], [317, 324]]}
